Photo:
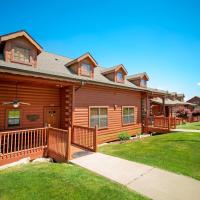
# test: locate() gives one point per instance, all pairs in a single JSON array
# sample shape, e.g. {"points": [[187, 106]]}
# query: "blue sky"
{"points": [[159, 37]]}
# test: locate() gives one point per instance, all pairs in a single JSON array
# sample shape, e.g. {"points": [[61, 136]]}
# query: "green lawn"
{"points": [[194, 125], [59, 181], [176, 152]]}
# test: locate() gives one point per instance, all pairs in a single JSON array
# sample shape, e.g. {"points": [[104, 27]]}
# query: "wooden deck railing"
{"points": [[85, 137], [35, 143], [59, 142], [179, 121], [173, 122], [159, 123], [22, 143], [162, 122]]}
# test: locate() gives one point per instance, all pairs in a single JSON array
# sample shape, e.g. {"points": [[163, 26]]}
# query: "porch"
{"points": [[158, 118], [36, 118], [58, 144], [161, 124]]}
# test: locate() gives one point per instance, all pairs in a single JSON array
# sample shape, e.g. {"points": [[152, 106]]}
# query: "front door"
{"points": [[52, 116]]}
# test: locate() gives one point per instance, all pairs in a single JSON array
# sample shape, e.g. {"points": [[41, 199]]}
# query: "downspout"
{"points": [[82, 84]]}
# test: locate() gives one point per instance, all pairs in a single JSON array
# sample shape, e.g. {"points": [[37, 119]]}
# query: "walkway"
{"points": [[185, 130], [149, 181]]}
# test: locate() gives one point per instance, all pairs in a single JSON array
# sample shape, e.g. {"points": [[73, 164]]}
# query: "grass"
{"points": [[59, 181], [194, 125], [176, 152]]}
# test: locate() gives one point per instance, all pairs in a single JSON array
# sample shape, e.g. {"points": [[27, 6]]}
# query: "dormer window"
{"points": [[139, 79], [83, 65], [21, 55], [120, 77], [116, 74], [86, 69]]}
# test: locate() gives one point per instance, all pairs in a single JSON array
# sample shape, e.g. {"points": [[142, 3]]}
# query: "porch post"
{"points": [[163, 106], [171, 111], [148, 106], [68, 145], [73, 103], [147, 112], [95, 138], [169, 123]]}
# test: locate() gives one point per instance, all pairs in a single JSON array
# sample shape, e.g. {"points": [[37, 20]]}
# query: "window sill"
{"points": [[131, 124], [101, 129], [13, 128], [23, 63]]}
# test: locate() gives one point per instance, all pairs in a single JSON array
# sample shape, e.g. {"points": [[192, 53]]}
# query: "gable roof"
{"points": [[138, 76], [114, 69], [20, 33], [54, 66], [195, 97], [80, 58]]}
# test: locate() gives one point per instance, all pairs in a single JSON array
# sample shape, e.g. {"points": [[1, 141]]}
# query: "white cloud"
{"points": [[198, 84]]}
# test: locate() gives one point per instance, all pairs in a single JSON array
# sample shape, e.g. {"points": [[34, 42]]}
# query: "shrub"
{"points": [[185, 113], [123, 136], [196, 112]]}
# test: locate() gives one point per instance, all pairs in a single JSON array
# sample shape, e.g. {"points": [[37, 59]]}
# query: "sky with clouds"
{"points": [[159, 37]]}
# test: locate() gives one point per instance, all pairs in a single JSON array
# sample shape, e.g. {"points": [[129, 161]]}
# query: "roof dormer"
{"points": [[20, 47], [117, 73], [83, 65], [139, 79]]}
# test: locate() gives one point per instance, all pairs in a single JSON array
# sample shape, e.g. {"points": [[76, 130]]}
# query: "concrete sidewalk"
{"points": [[185, 130], [149, 181]]}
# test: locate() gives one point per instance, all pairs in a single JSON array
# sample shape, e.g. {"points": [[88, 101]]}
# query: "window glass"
{"points": [[143, 83], [94, 117], [119, 76], [13, 118], [21, 55], [99, 117], [128, 115], [125, 111], [86, 69]]}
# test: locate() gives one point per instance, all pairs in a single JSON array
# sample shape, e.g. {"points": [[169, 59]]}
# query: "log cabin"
{"points": [[38, 89]]}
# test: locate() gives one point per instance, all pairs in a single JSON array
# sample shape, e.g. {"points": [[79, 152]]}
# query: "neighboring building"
{"points": [[38, 88], [195, 100]]}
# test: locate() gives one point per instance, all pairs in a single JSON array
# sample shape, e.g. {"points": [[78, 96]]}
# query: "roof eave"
{"points": [[64, 78]]}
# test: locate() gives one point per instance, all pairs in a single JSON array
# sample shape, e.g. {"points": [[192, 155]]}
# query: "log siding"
{"points": [[114, 99]]}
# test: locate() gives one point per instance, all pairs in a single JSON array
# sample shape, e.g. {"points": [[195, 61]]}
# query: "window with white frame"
{"points": [[86, 69], [99, 117], [21, 55], [128, 115]]}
